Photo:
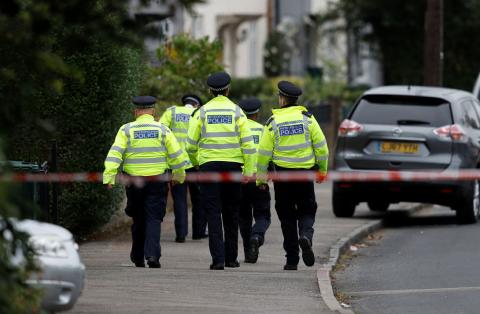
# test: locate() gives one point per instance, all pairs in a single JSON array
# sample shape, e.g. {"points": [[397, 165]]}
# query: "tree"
{"points": [[398, 28], [56, 58], [185, 64], [277, 54]]}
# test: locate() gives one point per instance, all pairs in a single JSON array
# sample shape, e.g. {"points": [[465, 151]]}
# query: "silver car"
{"points": [[410, 128], [62, 273]]}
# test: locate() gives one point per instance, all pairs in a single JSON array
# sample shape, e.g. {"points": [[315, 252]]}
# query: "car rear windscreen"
{"points": [[390, 110]]}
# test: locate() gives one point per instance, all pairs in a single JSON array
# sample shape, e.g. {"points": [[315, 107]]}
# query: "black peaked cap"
{"points": [[218, 81], [189, 98], [250, 105], [289, 89], [144, 101]]}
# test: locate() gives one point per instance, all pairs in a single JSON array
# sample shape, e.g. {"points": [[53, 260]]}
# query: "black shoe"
{"points": [[139, 264], [153, 262], [290, 267], [180, 239], [199, 237], [307, 253], [248, 258], [216, 266], [233, 264], [252, 254]]}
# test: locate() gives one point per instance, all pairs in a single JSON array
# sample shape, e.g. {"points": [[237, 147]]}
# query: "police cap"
{"points": [[218, 81], [288, 89], [250, 105], [144, 102], [191, 99]]}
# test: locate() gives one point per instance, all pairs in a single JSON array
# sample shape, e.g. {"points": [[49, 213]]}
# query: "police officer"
{"points": [[253, 198], [146, 148], [177, 119], [293, 141], [219, 140]]}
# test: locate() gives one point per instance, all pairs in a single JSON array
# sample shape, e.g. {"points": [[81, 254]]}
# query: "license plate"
{"points": [[399, 147]]}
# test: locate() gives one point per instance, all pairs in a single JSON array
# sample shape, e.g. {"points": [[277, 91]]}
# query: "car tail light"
{"points": [[349, 128], [454, 131]]}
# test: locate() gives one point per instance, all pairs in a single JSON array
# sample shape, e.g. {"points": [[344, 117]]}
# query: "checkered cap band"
{"points": [[217, 89]]}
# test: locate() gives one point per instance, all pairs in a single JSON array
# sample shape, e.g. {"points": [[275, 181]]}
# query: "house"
{"points": [[316, 46]]}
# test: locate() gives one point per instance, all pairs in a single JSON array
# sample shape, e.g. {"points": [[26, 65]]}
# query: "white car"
{"points": [[62, 272]]}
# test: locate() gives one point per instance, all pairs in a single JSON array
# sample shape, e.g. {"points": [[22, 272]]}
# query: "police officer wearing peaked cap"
{"points": [[255, 201], [219, 140], [145, 148], [293, 141], [177, 119]]}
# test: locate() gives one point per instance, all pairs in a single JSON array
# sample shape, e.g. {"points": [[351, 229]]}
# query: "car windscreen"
{"points": [[389, 110]]}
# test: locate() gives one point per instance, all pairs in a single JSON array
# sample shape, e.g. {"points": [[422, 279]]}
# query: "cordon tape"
{"points": [[286, 176]]}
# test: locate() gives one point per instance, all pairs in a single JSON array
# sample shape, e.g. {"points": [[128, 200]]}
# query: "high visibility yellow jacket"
{"points": [[292, 139], [220, 132], [256, 129], [145, 147], [192, 154], [177, 119]]}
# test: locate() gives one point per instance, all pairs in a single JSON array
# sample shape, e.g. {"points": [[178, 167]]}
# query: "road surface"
{"points": [[424, 263]]}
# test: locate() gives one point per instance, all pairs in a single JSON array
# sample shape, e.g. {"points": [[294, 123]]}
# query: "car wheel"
{"points": [[378, 206], [469, 209], [343, 204]]}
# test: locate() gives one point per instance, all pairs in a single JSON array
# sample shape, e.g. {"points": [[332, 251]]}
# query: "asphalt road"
{"points": [[184, 284], [424, 263]]}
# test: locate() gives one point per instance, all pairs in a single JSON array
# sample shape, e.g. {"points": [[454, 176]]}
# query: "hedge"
{"points": [[84, 120]]}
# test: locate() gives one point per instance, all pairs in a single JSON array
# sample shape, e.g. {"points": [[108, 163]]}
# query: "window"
{"points": [[393, 110]]}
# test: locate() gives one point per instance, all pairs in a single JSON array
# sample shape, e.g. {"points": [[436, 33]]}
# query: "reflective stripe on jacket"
{"points": [[256, 129], [177, 119], [292, 139], [145, 148], [220, 132]]}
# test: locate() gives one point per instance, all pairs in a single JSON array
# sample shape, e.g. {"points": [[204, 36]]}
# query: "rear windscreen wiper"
{"points": [[411, 122]]}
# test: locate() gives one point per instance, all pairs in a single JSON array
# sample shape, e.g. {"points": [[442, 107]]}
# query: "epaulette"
{"points": [[269, 121], [194, 111], [307, 113]]}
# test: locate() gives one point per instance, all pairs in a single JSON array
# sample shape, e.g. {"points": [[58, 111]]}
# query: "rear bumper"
{"points": [[441, 193]]}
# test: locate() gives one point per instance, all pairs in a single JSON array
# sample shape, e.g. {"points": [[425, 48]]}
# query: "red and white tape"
{"points": [[287, 176]]}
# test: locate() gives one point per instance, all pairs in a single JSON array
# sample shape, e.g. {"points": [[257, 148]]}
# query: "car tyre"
{"points": [[469, 207], [378, 206], [342, 203]]}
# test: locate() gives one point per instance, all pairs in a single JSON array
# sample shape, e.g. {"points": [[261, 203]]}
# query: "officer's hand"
{"points": [[175, 182], [263, 186], [320, 178], [109, 186], [246, 179]]}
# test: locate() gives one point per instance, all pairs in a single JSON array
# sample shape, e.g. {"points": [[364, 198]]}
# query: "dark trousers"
{"points": [[180, 207], [221, 202], [255, 204], [146, 205], [296, 208]]}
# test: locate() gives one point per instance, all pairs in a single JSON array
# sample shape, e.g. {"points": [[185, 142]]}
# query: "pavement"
{"points": [[184, 284], [420, 263]]}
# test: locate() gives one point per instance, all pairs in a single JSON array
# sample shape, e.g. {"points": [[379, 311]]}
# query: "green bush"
{"points": [[84, 120], [185, 64], [251, 87], [103, 102], [16, 296]]}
